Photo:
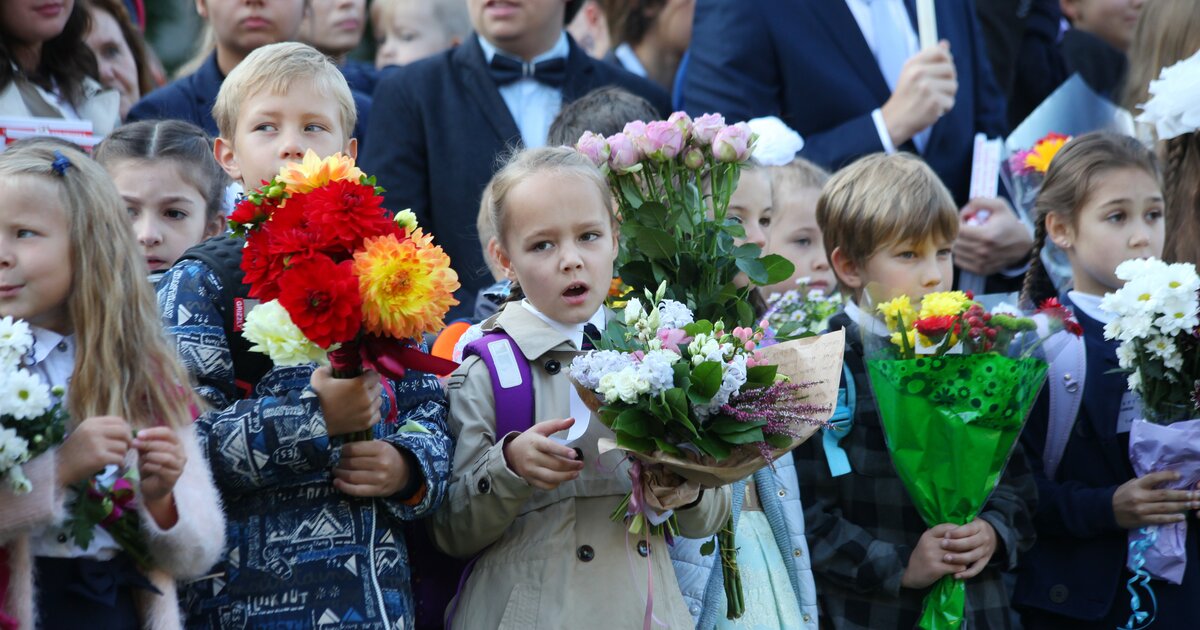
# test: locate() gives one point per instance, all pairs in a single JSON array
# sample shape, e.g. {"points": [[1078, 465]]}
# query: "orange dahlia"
{"points": [[313, 172], [406, 284], [1043, 152]]}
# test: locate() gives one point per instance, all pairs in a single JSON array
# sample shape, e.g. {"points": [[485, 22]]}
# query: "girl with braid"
{"points": [[1101, 203]]}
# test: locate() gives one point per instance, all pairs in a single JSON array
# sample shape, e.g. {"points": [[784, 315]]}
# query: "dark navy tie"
{"points": [[590, 332], [551, 72]]}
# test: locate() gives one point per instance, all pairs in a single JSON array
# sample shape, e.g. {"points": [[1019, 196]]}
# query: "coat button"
{"points": [[484, 485], [797, 552], [782, 493], [552, 367], [643, 548], [807, 618], [578, 454], [585, 553], [1059, 593], [62, 539]]}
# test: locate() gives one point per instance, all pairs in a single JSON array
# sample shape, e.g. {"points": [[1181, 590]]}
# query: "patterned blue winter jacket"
{"points": [[300, 554]]}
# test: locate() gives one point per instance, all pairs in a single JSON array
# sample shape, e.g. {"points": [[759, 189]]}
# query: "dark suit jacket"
{"points": [[191, 98], [807, 62], [440, 131], [1077, 567]]}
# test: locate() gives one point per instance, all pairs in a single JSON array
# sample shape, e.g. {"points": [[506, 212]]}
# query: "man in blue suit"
{"points": [[849, 77], [444, 121]]}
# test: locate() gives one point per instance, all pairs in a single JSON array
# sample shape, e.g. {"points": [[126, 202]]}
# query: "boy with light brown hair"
{"points": [[889, 225], [314, 522]]}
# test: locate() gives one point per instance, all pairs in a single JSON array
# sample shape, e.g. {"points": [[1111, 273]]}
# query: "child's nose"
{"points": [[571, 258], [756, 235], [147, 232], [290, 148], [820, 262]]}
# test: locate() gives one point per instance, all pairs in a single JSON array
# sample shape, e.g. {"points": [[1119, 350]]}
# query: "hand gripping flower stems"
{"points": [[341, 281]]}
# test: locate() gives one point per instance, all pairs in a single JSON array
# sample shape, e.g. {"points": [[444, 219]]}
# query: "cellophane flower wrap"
{"points": [[31, 419], [954, 384], [340, 279], [802, 310], [672, 180], [1156, 322]]}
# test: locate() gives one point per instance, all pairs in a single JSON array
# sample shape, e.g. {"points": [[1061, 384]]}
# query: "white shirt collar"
{"points": [[45, 341], [871, 324], [560, 49], [629, 59], [1090, 305], [573, 332]]}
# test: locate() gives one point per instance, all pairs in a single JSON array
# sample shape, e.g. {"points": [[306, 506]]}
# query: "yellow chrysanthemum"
{"points": [[406, 285], [944, 303], [912, 339], [313, 172], [1043, 152], [895, 310]]}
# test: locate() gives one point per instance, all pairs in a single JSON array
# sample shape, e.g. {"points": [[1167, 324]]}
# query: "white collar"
{"points": [[1090, 305], [45, 341], [573, 332], [872, 324], [629, 59], [560, 49]]}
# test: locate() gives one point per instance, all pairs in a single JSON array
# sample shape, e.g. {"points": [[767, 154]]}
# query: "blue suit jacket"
{"points": [[807, 62], [1077, 567], [191, 98], [444, 129]]}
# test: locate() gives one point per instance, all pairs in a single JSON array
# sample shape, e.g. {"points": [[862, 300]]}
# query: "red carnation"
{"points": [[935, 327], [1054, 309], [248, 214], [322, 298]]}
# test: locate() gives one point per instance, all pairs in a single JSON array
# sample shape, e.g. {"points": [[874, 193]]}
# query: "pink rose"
{"points": [[634, 130], [671, 339], [683, 122], [663, 141], [594, 147], [623, 155], [705, 128], [732, 144], [693, 158]]}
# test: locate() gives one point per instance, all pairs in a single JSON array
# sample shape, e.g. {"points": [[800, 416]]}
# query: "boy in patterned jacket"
{"points": [[314, 522], [888, 225]]}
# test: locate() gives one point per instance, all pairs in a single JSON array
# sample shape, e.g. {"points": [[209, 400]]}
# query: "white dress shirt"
{"points": [[54, 362], [629, 59], [862, 14], [533, 105], [574, 332]]}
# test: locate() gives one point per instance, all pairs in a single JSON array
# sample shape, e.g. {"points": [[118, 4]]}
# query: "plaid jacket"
{"points": [[862, 526], [300, 554]]}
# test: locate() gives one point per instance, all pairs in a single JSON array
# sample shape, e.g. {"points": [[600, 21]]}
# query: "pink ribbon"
{"points": [[390, 357], [636, 500]]}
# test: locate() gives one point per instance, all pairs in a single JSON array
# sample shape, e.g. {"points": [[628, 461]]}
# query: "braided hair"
{"points": [[1182, 192]]}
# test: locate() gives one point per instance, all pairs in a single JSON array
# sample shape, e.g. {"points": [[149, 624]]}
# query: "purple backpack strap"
{"points": [[512, 381]]}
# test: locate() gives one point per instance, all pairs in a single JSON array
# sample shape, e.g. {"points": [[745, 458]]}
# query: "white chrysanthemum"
{"points": [[674, 314], [1126, 355], [15, 341], [1176, 319], [1139, 268], [1161, 346], [1172, 107], [1135, 381], [14, 451], [270, 328], [23, 395]]}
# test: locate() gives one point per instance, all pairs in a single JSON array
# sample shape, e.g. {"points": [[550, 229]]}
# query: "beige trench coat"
{"points": [[550, 560]]}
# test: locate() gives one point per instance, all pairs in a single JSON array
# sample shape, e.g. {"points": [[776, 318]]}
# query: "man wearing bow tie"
{"points": [[446, 120]]}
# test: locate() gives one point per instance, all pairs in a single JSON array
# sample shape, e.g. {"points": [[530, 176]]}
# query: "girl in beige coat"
{"points": [[532, 509], [69, 268]]}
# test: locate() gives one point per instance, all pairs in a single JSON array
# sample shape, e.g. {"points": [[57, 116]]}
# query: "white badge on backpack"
{"points": [[1131, 409]]}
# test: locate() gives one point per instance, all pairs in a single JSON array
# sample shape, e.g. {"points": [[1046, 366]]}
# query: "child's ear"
{"points": [[223, 152], [202, 9], [1060, 231], [503, 263], [352, 148], [215, 226], [847, 271]]}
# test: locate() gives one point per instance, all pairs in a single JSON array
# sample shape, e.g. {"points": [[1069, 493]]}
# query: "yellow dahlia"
{"points": [[313, 172], [1043, 152], [897, 309], [406, 285], [944, 303]]}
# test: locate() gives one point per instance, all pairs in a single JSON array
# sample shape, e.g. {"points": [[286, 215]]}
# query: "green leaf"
{"points": [[761, 374], [634, 422], [638, 274], [706, 379], [677, 402], [747, 250], [715, 448], [709, 547], [778, 268], [656, 243], [745, 437], [729, 426], [667, 447], [754, 269], [631, 192], [779, 441], [641, 445], [703, 326], [745, 313]]}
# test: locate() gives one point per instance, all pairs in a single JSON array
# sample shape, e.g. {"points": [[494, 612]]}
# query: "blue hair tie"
{"points": [[60, 163]]}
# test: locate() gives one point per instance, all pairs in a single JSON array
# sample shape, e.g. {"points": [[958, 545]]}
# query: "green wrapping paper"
{"points": [[951, 423]]}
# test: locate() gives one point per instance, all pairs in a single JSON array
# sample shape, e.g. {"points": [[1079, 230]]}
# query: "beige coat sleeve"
{"points": [[485, 495], [707, 517], [195, 542]]}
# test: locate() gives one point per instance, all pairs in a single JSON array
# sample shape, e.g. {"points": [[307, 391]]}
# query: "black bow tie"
{"points": [[551, 72]]}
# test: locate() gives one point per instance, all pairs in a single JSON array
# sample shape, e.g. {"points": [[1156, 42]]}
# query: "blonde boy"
{"points": [[889, 224], [408, 30], [313, 522]]}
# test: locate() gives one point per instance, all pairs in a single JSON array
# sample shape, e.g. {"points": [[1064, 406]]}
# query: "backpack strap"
{"points": [[1066, 356], [223, 255], [512, 380], [840, 425]]}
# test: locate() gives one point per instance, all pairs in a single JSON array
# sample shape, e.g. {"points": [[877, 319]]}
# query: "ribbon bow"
{"points": [[505, 70]]}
